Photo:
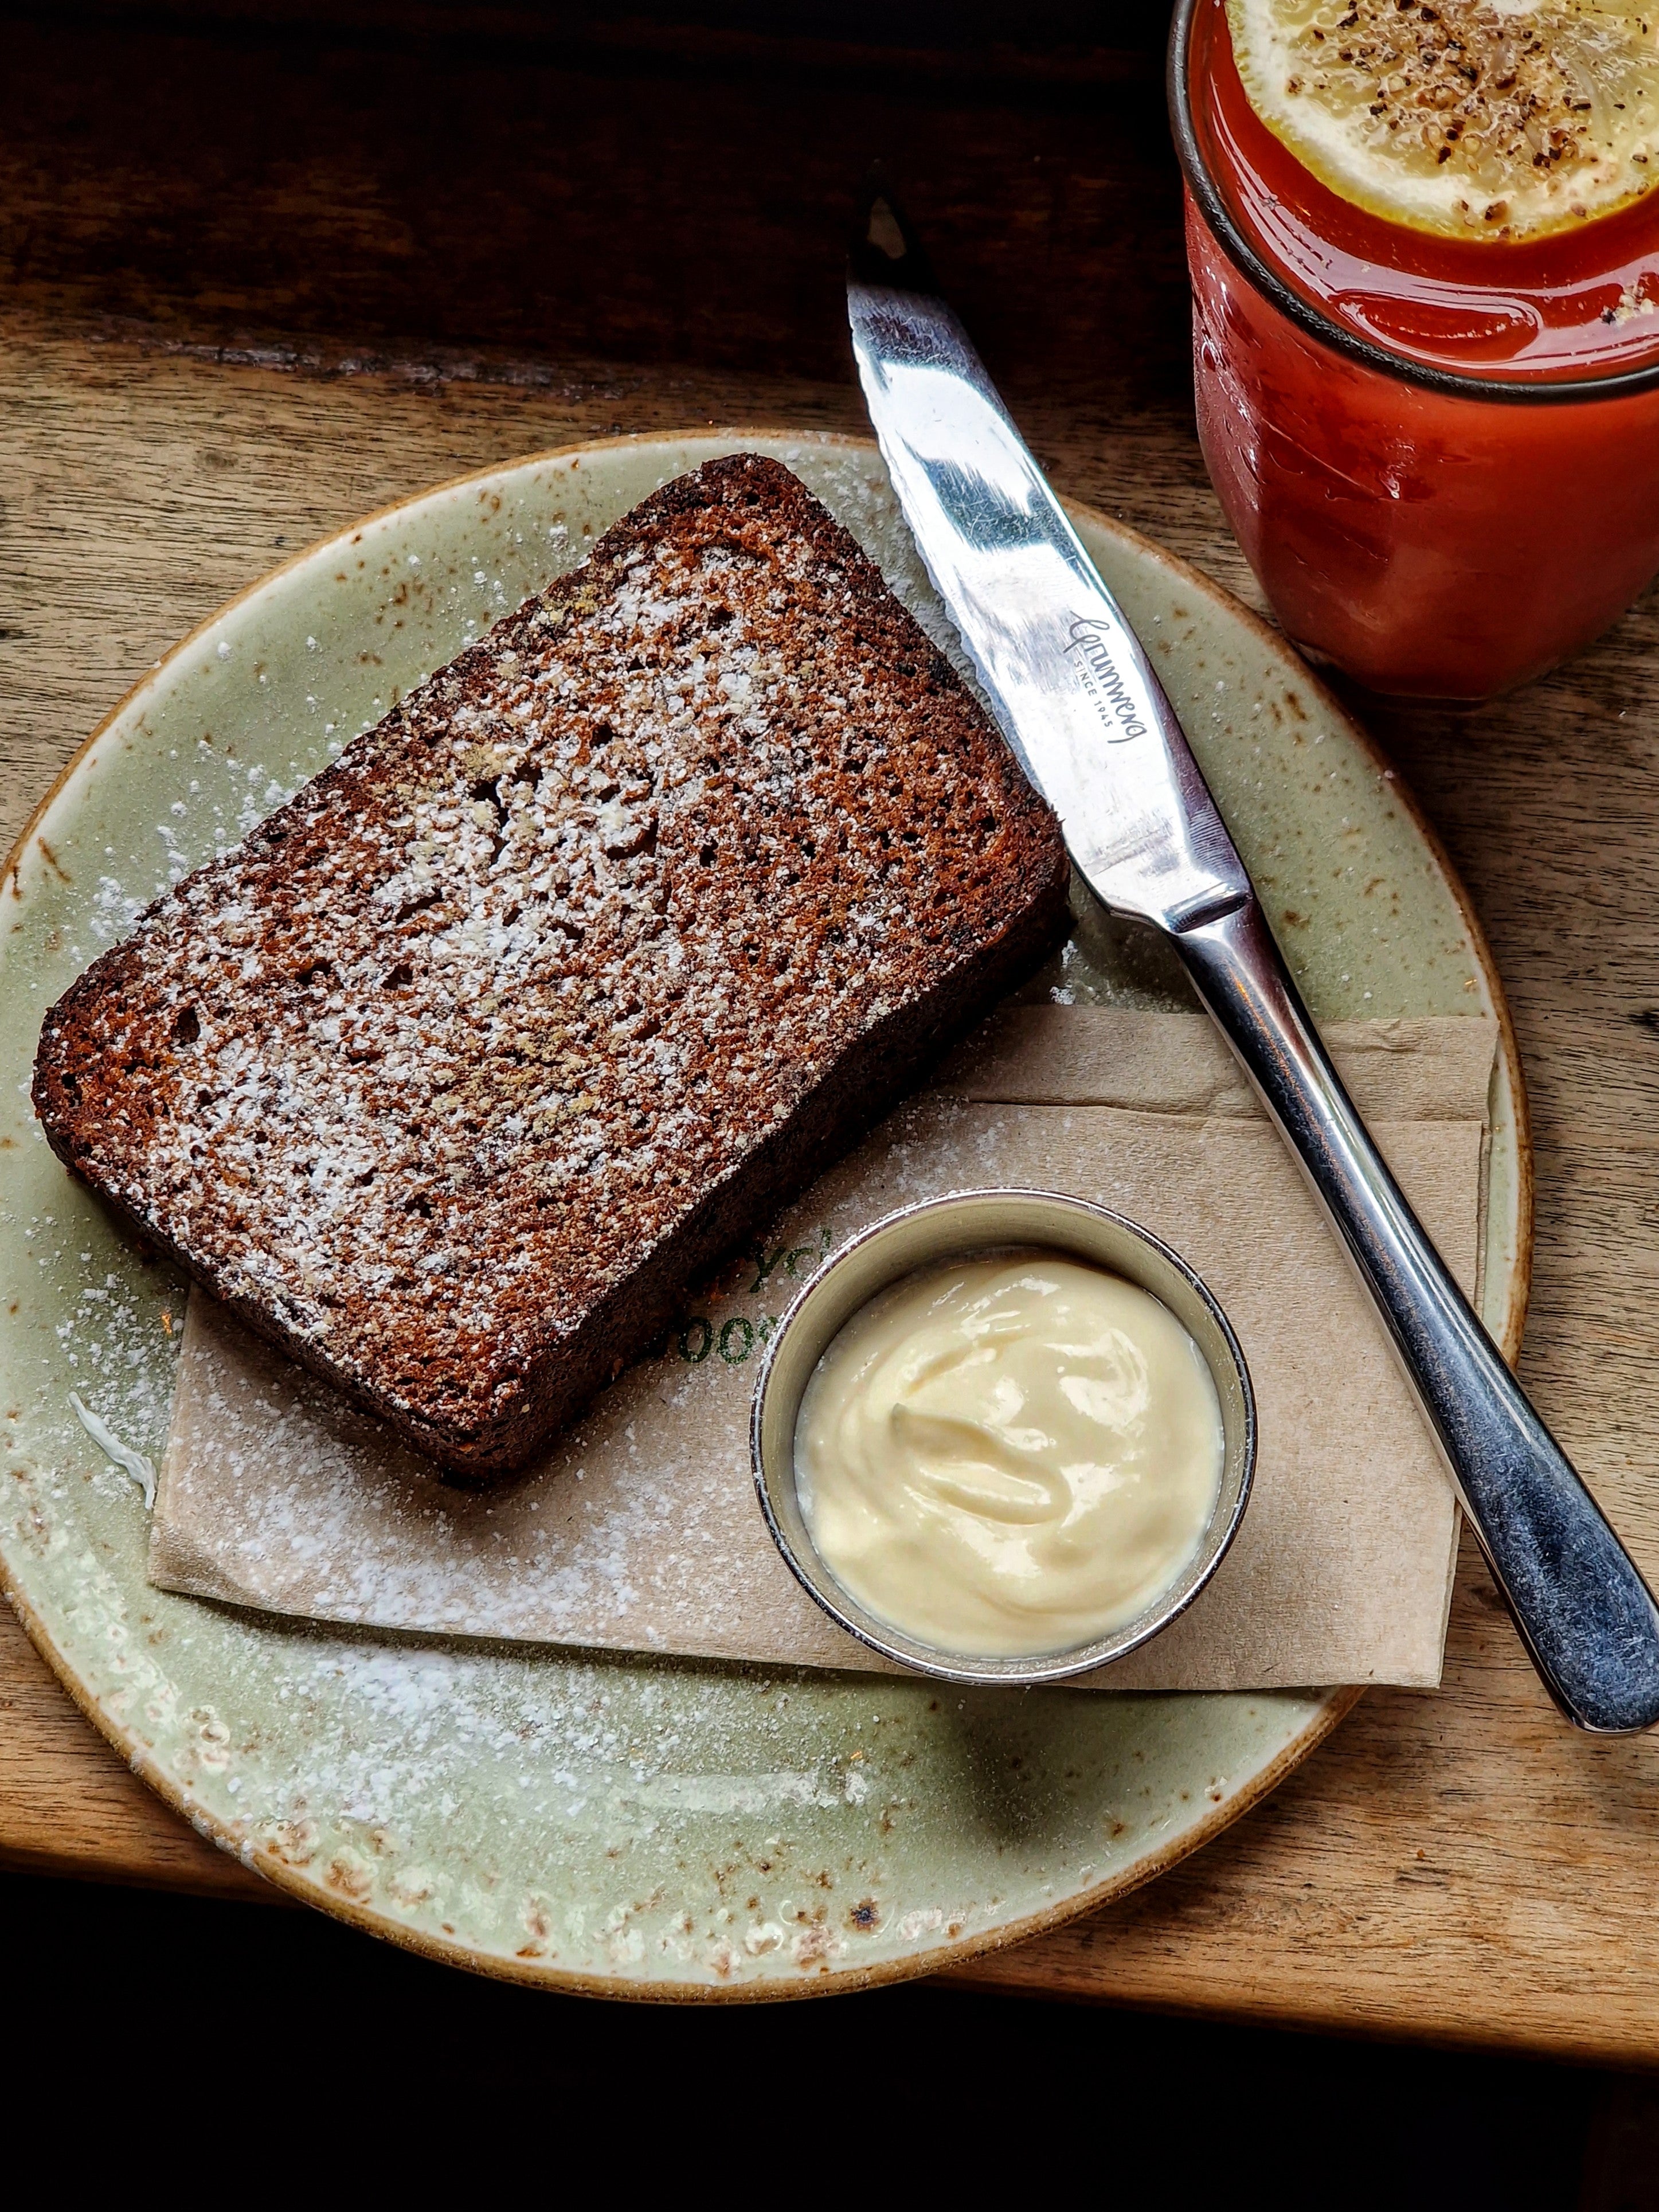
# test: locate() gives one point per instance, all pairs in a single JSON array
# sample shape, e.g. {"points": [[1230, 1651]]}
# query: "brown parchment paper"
{"points": [[640, 1531]]}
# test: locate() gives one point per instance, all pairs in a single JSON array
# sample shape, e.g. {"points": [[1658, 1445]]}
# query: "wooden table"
{"points": [[260, 272]]}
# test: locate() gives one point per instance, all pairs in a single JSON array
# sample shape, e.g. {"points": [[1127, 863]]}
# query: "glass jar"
{"points": [[1442, 461]]}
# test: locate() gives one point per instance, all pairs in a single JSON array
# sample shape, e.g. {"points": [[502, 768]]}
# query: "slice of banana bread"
{"points": [[601, 944]]}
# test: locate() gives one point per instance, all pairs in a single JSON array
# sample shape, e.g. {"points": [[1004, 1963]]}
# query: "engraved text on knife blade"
{"points": [[1063, 670]]}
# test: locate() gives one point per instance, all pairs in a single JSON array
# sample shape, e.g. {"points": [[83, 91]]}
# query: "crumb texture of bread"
{"points": [[610, 935]]}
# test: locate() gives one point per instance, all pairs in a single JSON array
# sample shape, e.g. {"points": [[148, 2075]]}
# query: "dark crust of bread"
{"points": [[595, 950]]}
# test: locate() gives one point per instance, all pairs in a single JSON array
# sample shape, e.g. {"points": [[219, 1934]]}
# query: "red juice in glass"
{"points": [[1436, 438]]}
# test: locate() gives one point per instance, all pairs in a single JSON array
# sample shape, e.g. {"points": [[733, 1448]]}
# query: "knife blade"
{"points": [[1079, 702]]}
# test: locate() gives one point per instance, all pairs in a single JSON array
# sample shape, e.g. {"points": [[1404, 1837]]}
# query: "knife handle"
{"points": [[1587, 1618]]}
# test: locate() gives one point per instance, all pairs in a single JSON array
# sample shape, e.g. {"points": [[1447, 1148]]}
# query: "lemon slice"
{"points": [[1488, 118]]}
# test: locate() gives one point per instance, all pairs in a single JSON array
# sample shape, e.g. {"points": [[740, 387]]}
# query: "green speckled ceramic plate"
{"points": [[637, 1826]]}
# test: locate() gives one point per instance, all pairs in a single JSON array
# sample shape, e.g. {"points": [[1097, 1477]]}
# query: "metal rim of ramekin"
{"points": [[892, 1643], [1507, 391]]}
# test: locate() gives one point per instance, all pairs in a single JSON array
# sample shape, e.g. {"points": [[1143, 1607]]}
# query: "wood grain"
{"points": [[1459, 1865], [428, 182]]}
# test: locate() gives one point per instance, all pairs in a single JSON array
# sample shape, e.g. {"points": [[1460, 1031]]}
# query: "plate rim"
{"points": [[1334, 1705]]}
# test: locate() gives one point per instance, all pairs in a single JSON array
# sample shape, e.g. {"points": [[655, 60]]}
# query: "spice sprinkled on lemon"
{"points": [[1465, 118]]}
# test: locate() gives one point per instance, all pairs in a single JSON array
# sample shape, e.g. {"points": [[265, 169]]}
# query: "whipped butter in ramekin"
{"points": [[1006, 1436], [1009, 1453]]}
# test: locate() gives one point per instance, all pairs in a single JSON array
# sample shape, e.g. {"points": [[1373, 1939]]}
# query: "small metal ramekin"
{"points": [[976, 1221]]}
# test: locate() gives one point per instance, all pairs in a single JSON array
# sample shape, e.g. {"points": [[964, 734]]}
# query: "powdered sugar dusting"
{"points": [[426, 1071]]}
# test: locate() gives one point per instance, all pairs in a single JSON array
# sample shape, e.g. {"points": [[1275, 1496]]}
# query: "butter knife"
{"points": [[1078, 700]]}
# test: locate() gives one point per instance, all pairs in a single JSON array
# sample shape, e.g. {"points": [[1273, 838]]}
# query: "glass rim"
{"points": [[1324, 328]]}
